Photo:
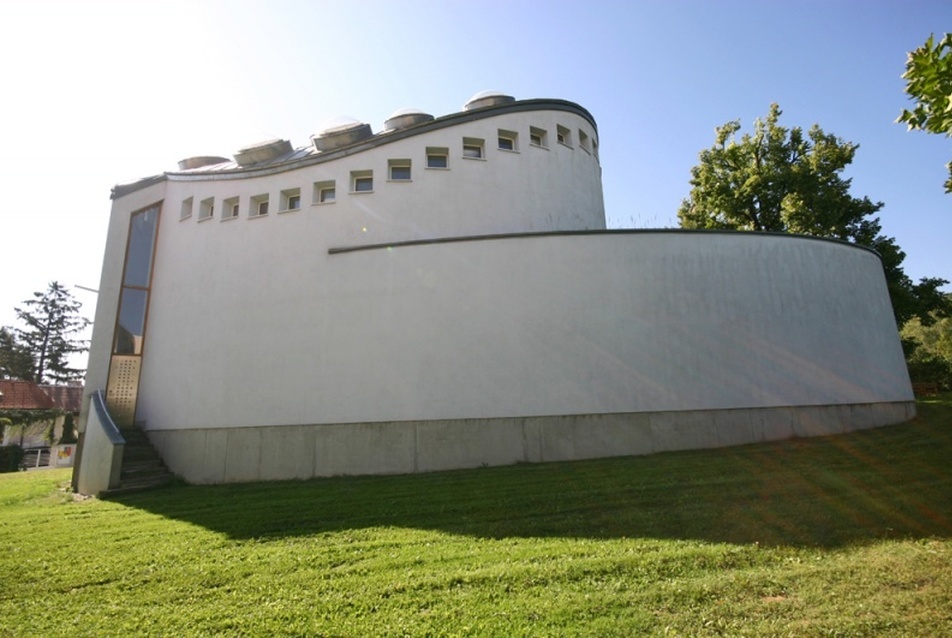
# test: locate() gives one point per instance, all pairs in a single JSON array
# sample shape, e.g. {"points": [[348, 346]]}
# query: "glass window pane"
{"points": [[141, 245], [131, 326]]}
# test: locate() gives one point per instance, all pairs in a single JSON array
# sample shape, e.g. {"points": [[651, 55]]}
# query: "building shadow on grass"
{"points": [[829, 492]]}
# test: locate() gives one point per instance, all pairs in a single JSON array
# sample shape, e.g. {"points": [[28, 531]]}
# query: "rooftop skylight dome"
{"points": [[487, 98], [200, 161], [262, 152], [405, 118], [340, 131]]}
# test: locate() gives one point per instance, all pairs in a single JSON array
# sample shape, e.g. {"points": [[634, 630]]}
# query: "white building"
{"points": [[444, 294]]}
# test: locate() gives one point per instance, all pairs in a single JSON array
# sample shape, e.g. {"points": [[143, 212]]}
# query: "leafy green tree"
{"points": [[784, 180], [16, 362], [935, 338], [930, 357], [928, 79], [52, 322]]}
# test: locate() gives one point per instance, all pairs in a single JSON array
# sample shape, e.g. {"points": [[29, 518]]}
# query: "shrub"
{"points": [[69, 430], [10, 457]]}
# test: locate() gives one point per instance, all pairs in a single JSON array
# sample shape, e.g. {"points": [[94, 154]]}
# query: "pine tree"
{"points": [[15, 360], [52, 322]]}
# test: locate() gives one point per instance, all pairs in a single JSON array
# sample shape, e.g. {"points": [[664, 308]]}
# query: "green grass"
{"points": [[840, 536]]}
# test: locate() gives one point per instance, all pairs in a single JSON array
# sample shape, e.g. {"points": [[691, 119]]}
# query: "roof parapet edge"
{"points": [[386, 137]]}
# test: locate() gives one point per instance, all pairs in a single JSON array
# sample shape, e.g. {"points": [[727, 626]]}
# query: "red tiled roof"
{"points": [[65, 397], [23, 395]]}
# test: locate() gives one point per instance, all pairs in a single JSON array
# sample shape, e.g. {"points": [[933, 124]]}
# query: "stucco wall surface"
{"points": [[514, 327]]}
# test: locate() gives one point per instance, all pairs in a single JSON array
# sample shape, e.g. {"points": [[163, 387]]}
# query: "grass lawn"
{"points": [[840, 536]]}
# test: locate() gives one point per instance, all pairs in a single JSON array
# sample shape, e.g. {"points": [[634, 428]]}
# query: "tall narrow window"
{"points": [[122, 386]]}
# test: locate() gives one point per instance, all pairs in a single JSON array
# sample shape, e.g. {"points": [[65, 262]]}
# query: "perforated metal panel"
{"points": [[123, 389]]}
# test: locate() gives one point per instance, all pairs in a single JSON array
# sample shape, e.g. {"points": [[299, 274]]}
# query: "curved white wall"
{"points": [[533, 326], [532, 189]]}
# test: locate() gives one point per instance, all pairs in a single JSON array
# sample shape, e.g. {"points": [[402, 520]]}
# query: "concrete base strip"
{"points": [[274, 453]]}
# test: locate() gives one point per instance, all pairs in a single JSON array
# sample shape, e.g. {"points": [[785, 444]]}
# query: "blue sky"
{"points": [[105, 92]]}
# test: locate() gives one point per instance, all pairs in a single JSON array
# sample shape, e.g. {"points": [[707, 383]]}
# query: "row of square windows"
{"points": [[398, 170]]}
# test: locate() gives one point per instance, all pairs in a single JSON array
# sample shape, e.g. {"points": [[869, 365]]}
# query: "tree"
{"points": [[782, 180], [928, 79], [52, 320], [16, 362], [930, 354]]}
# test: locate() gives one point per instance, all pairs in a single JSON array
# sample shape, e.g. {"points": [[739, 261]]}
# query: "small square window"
{"points": [[362, 181], [259, 205], [583, 140], [399, 170], [473, 148], [437, 157], [595, 147], [538, 137], [324, 192], [563, 135], [229, 208], [290, 199], [507, 140], [206, 209], [186, 209]]}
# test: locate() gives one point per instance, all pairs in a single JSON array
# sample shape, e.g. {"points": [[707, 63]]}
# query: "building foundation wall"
{"points": [[223, 455]]}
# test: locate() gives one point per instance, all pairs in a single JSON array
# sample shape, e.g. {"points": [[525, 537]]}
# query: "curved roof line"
{"points": [[611, 231], [301, 158]]}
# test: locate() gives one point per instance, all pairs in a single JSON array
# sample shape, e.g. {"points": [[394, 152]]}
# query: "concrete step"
{"points": [[131, 487], [139, 469], [142, 467]]}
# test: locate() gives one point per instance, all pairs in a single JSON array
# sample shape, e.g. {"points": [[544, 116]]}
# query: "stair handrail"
{"points": [[110, 429]]}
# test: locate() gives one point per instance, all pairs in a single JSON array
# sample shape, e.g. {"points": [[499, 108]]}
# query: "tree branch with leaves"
{"points": [[928, 79]]}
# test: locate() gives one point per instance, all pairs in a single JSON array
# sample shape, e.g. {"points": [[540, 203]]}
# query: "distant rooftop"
{"points": [[24, 395]]}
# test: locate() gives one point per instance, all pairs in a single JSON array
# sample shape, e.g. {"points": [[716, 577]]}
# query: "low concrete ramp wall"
{"points": [[103, 446]]}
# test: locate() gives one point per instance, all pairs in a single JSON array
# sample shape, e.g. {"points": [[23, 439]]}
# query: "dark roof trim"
{"points": [[569, 233], [121, 190]]}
